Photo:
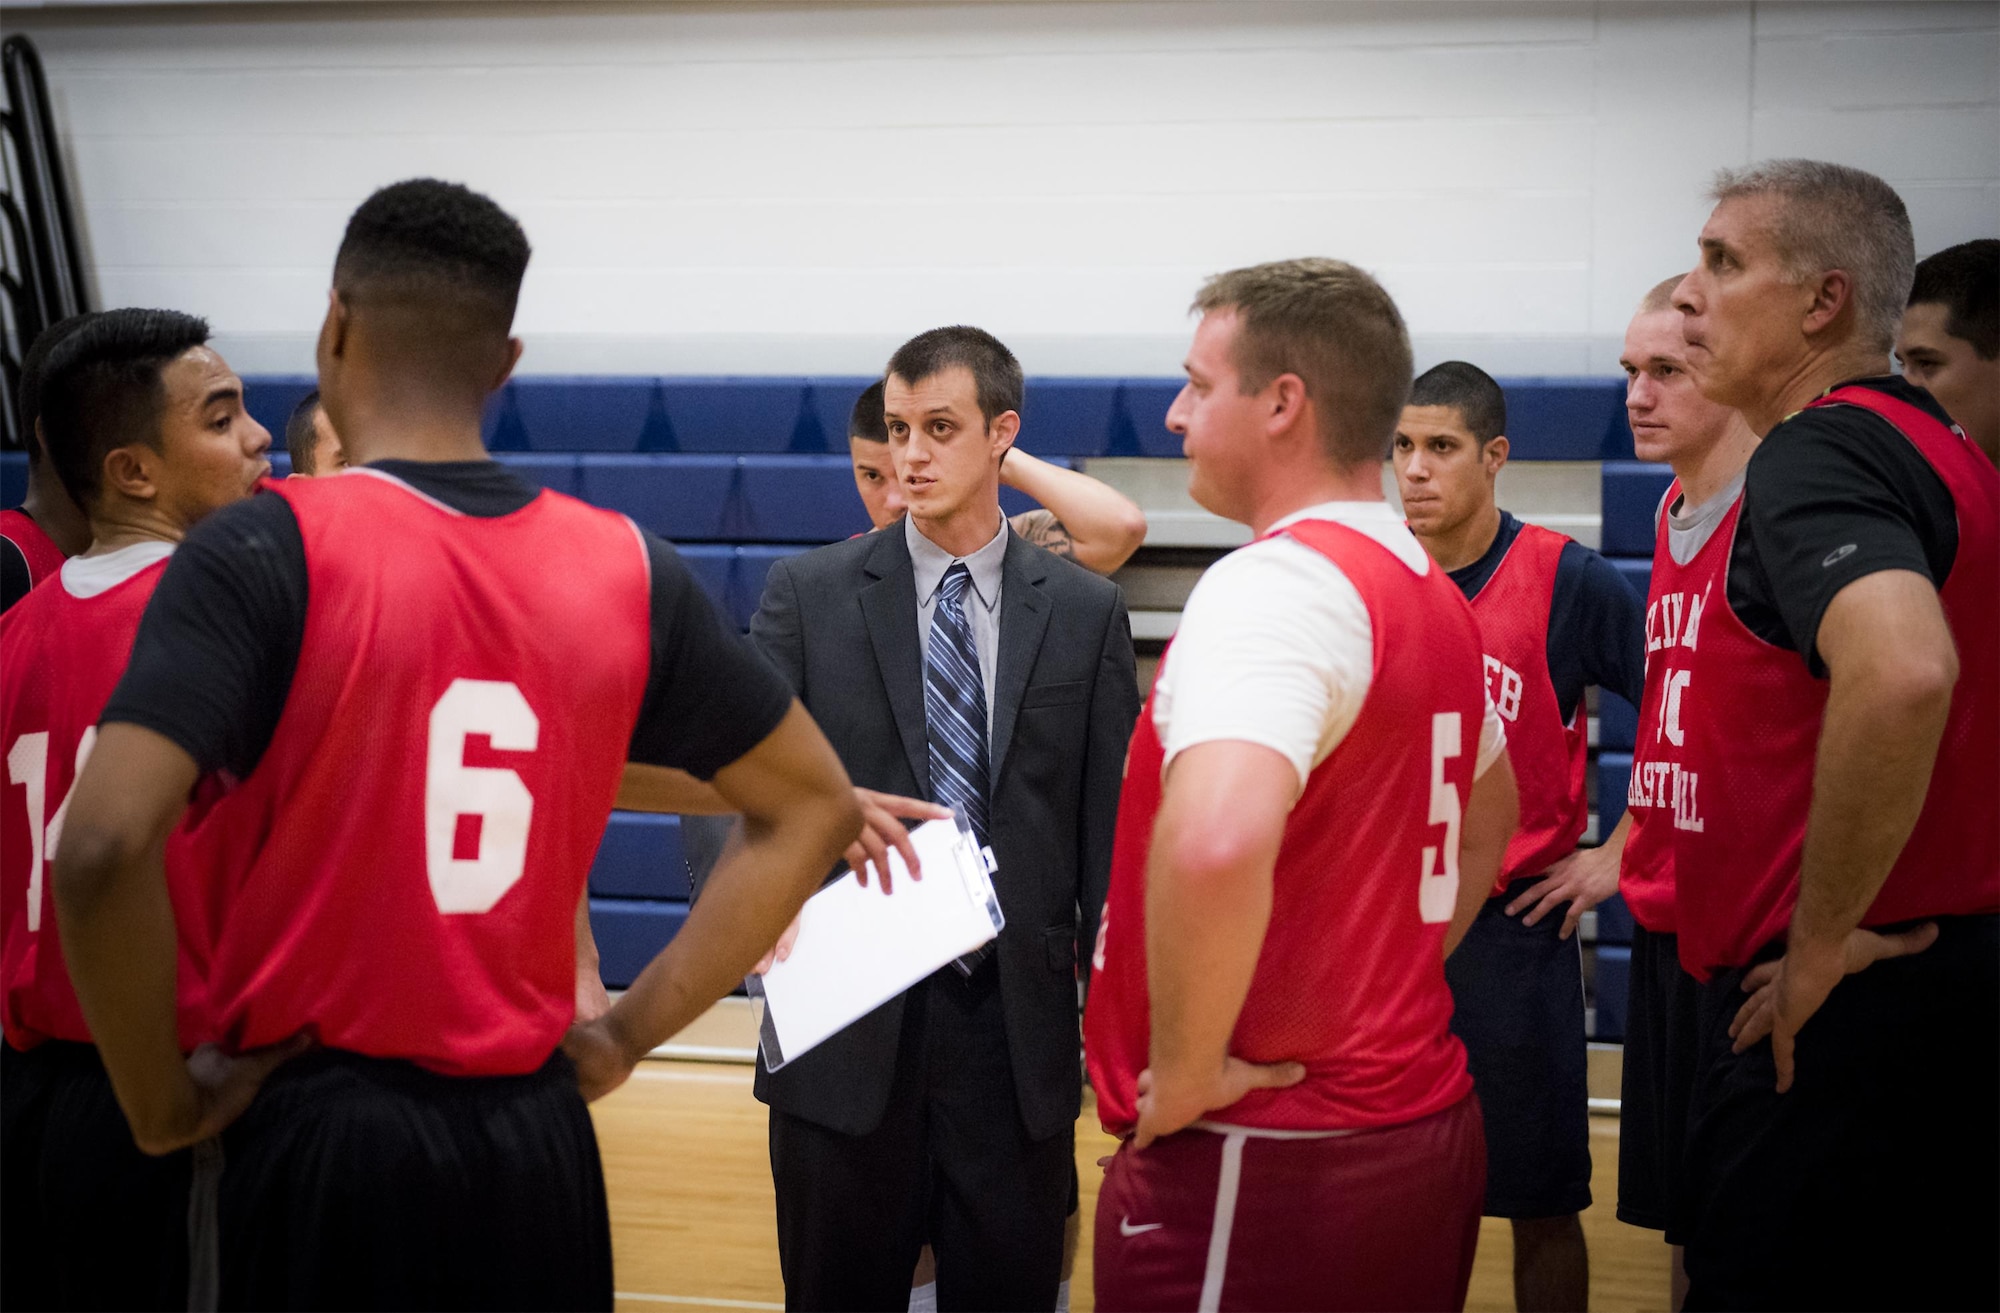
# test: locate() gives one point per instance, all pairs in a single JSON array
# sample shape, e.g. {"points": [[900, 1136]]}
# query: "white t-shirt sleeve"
{"points": [[1492, 739], [1275, 648]]}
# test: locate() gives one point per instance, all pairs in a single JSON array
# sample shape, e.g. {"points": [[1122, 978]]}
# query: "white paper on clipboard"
{"points": [[858, 947]]}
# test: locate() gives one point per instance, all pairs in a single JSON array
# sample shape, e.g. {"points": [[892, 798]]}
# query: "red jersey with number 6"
{"points": [[62, 653], [399, 874], [1755, 733], [1663, 792], [1350, 979], [1547, 752]]}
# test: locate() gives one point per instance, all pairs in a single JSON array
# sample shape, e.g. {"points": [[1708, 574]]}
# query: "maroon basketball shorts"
{"points": [[1222, 1218]]}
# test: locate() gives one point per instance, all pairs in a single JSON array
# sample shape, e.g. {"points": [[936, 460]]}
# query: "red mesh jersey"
{"points": [[400, 872], [1351, 976], [1753, 732], [62, 655], [1661, 787], [1547, 754]]}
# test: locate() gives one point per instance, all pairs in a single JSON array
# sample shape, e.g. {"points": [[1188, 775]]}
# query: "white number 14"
{"points": [[28, 766]]}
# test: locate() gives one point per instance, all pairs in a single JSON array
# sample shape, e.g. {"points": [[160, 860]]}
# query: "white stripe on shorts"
{"points": [[1226, 1189]]}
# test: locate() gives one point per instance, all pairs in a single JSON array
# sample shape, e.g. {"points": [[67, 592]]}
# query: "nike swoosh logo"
{"points": [[1837, 555], [1125, 1227]]}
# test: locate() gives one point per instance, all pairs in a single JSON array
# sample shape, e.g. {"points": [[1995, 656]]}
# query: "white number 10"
{"points": [[494, 795], [1437, 895]]}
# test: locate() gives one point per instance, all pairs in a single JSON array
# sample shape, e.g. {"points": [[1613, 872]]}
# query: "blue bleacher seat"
{"points": [[271, 398], [1143, 405], [640, 857], [1617, 722], [832, 402], [1614, 772], [746, 580], [1068, 416], [798, 499], [1632, 492], [711, 564], [1614, 921], [1567, 419], [630, 933], [13, 477], [681, 498], [1638, 571], [1613, 989], [742, 415], [583, 414]]}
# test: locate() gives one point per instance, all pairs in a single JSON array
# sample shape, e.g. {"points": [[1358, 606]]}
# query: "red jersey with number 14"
{"points": [[1350, 979], [1547, 753], [399, 874], [1662, 792], [1753, 729], [62, 654]]}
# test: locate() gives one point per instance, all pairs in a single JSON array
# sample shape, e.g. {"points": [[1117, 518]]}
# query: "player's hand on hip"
{"points": [[1583, 879], [225, 1083], [1786, 991], [881, 831], [1167, 1106], [780, 950], [599, 1057]]}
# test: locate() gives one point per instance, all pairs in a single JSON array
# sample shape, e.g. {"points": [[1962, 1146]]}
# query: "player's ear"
{"points": [[1006, 426], [1495, 454], [130, 472], [513, 359]]}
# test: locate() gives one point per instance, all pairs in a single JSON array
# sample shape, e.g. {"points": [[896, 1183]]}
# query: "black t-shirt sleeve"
{"points": [[15, 578], [1833, 495], [1597, 630], [213, 661], [710, 697]]}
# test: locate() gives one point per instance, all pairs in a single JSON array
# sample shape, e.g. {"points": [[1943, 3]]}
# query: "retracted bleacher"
{"points": [[739, 472]]}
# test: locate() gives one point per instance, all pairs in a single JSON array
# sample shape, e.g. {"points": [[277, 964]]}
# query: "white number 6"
{"points": [[1437, 895], [496, 796]]}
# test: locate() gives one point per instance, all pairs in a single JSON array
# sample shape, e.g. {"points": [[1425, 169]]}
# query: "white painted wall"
{"points": [[795, 188]]}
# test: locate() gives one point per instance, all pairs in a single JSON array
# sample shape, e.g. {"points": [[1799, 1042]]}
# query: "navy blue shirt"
{"points": [[1597, 624]]}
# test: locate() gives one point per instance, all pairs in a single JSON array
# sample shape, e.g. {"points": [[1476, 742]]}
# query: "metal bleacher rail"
{"points": [[739, 472]]}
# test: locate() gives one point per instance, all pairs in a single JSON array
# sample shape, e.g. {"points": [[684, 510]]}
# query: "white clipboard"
{"points": [[858, 947]]}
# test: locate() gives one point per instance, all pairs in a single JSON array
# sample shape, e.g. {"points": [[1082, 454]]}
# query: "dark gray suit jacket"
{"points": [[840, 624]]}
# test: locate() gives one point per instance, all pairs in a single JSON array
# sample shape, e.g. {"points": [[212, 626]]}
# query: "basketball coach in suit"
{"points": [[946, 658]]}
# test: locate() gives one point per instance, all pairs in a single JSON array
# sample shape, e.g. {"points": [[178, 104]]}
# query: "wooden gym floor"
{"points": [[691, 1213]]}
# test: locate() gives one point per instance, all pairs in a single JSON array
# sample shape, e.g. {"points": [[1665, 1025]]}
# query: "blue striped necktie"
{"points": [[955, 716]]}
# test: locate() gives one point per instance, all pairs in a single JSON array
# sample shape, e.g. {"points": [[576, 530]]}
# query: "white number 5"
{"points": [[1437, 895], [495, 797]]}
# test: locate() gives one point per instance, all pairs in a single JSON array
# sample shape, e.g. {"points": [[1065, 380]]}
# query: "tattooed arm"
{"points": [[1086, 521]]}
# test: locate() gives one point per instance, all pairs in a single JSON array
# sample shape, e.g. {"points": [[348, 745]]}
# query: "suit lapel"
{"points": [[889, 608], [1024, 618]]}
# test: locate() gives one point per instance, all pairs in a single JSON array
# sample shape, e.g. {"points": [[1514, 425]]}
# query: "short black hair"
{"points": [[33, 364], [1965, 279], [445, 264], [1480, 403], [868, 423], [996, 375], [299, 432], [101, 389]]}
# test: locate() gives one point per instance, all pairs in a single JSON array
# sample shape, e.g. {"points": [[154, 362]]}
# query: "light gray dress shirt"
{"points": [[982, 609]]}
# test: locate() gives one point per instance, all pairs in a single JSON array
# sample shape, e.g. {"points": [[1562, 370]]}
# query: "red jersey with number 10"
{"points": [[1350, 979], [62, 656], [1753, 729], [1663, 792], [399, 874], [1546, 752]]}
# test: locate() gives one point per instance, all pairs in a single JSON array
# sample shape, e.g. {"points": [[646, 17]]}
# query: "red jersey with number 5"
{"points": [[1662, 792], [1754, 732], [1350, 979], [62, 654], [399, 874], [1546, 751]]}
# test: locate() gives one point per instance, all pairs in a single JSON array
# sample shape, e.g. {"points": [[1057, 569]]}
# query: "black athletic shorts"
{"points": [[1518, 1006], [1660, 1048], [1871, 1183], [89, 1221], [363, 1183]]}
